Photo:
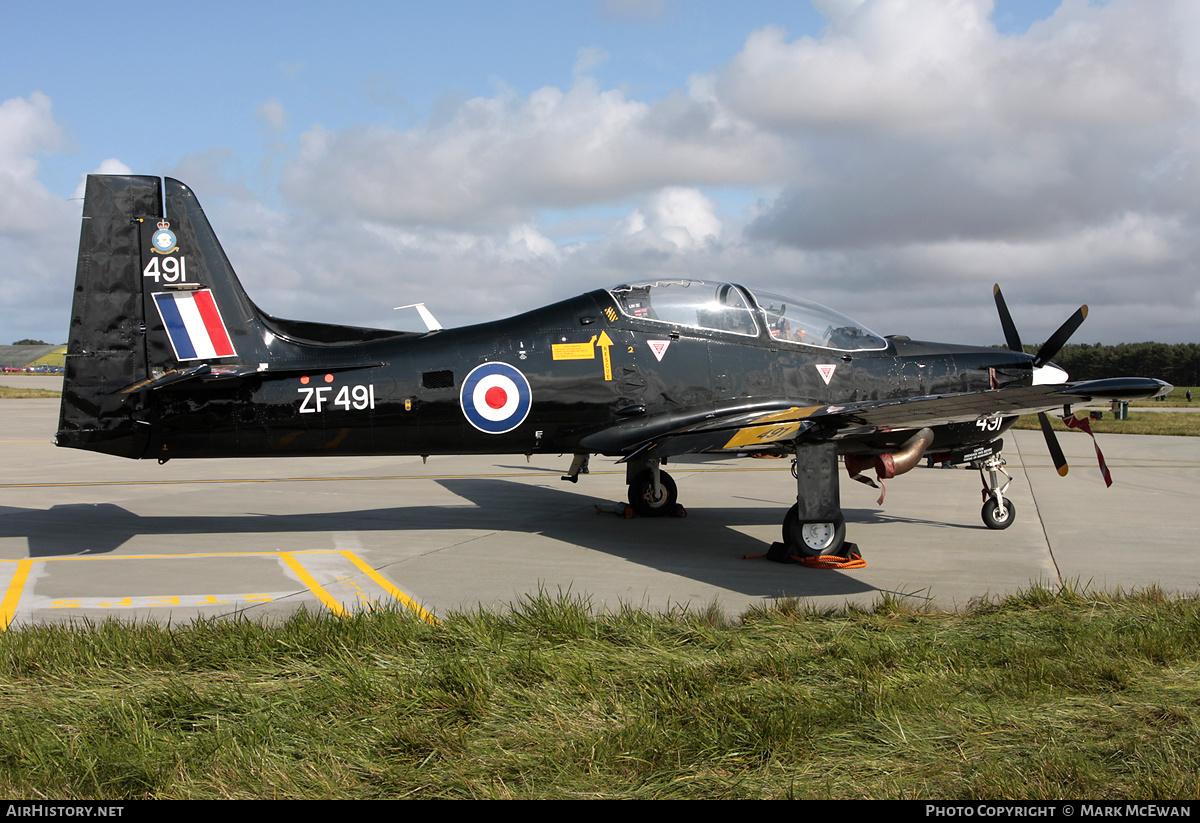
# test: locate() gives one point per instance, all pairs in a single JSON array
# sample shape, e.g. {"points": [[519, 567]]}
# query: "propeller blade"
{"points": [[1056, 452], [1059, 338], [1006, 322]]}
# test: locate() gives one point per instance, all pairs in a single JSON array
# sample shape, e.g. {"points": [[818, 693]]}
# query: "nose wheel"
{"points": [[998, 512]]}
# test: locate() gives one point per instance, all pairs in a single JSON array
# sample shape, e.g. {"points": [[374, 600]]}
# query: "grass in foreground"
{"points": [[1043, 695]]}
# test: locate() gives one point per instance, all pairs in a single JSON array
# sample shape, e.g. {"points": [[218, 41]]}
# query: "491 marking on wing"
{"points": [[989, 423]]}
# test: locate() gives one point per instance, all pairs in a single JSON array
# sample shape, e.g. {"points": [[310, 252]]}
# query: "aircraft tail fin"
{"points": [[155, 296]]}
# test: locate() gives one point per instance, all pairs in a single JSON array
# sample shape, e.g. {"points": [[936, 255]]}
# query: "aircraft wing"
{"points": [[741, 429]]}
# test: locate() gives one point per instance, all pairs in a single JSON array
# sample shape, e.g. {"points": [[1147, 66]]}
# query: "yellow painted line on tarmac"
{"points": [[160, 556], [8, 606], [387, 586], [313, 586]]}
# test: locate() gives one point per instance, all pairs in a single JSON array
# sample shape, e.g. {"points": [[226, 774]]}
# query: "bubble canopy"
{"points": [[738, 310]]}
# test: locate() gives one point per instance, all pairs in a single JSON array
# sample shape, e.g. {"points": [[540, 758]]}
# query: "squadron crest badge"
{"points": [[164, 241]]}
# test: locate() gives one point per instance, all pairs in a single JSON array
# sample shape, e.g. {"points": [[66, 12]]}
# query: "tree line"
{"points": [[1177, 363]]}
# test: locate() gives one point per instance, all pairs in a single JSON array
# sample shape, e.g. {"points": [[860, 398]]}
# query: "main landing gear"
{"points": [[998, 512], [652, 492], [815, 526], [813, 538]]}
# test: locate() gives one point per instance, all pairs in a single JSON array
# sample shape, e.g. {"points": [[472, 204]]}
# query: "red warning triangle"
{"points": [[659, 347]]}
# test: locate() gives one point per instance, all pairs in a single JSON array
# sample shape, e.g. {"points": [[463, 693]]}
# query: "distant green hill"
{"points": [[20, 357], [54, 358]]}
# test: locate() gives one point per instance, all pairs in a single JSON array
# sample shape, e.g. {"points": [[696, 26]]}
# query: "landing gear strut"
{"points": [[579, 465], [815, 525], [652, 492], [997, 513]]}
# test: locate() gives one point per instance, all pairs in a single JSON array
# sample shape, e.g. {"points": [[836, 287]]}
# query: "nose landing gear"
{"points": [[998, 512]]}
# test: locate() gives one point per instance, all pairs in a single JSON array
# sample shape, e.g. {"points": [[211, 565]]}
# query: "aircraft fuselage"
{"points": [[641, 373]]}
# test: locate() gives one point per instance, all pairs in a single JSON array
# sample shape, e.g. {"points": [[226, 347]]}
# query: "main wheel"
{"points": [[641, 494], [813, 539], [992, 517]]}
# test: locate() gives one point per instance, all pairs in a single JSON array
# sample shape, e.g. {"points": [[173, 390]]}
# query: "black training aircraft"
{"points": [[168, 358]]}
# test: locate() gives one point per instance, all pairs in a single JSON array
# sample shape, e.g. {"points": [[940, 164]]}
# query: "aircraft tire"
{"points": [[813, 539], [990, 518], [641, 495]]}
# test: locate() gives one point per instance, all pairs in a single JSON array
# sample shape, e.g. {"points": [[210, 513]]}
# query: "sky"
{"points": [[891, 159]]}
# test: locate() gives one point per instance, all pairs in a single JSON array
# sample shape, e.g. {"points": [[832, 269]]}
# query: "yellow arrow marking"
{"points": [[604, 342], [586, 351]]}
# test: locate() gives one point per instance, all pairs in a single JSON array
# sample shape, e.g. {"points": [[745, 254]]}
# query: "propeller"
{"points": [[1059, 338], [1045, 354]]}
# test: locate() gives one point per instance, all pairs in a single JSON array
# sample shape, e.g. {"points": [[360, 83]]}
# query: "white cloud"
{"points": [[272, 115], [684, 218], [588, 59], [499, 159], [27, 130], [932, 66], [38, 230], [917, 122]]}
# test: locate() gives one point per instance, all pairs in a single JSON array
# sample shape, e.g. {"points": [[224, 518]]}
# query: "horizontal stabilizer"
{"points": [[168, 379]]}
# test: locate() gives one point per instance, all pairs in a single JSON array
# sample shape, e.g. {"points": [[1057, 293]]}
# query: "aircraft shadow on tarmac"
{"points": [[705, 546]]}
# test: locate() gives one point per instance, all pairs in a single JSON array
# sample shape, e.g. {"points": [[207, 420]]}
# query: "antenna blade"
{"points": [[427, 317]]}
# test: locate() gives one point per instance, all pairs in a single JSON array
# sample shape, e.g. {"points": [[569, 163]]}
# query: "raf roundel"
{"points": [[495, 397]]}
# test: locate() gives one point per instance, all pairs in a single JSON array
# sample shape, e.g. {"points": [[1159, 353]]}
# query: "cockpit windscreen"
{"points": [[725, 307]]}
